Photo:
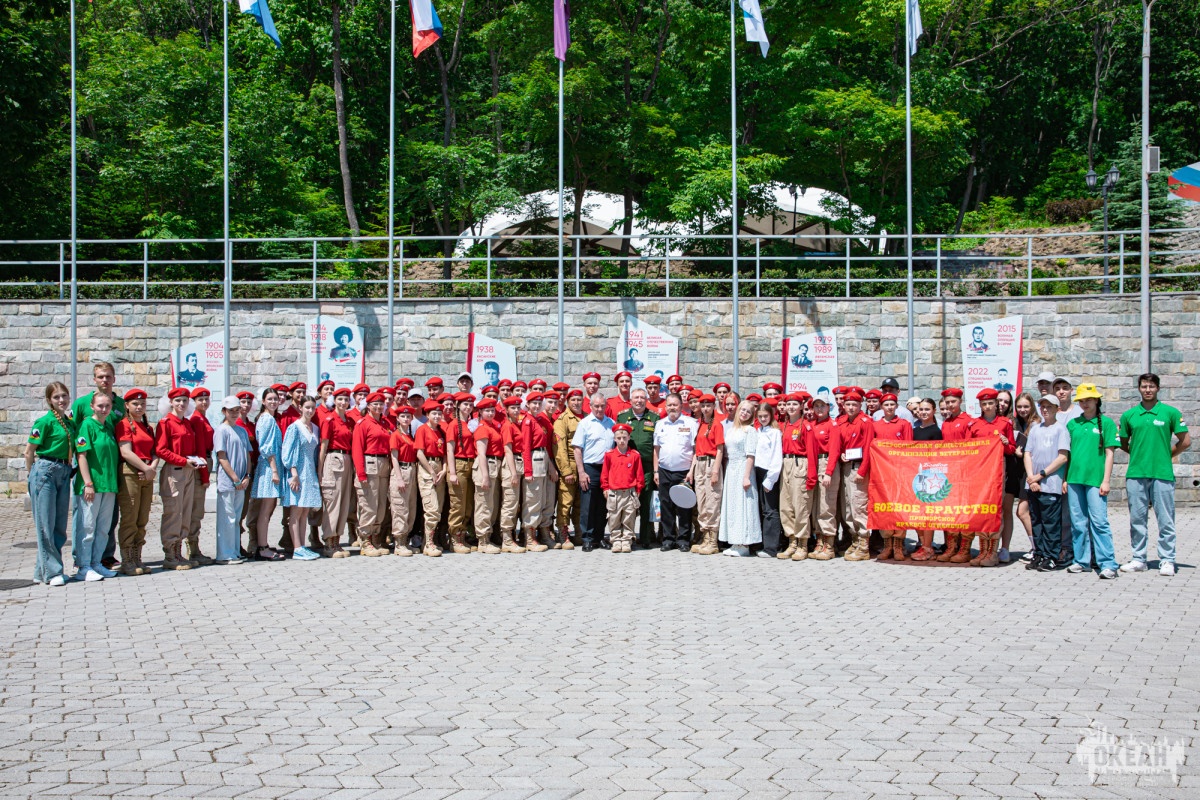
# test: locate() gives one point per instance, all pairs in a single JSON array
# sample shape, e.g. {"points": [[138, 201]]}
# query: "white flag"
{"points": [[915, 29], [756, 31]]}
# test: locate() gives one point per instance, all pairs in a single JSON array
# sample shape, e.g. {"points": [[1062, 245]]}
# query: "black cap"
{"points": [[889, 383]]}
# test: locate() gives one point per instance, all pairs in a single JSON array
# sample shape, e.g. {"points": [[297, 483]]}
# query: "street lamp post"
{"points": [[1110, 180]]}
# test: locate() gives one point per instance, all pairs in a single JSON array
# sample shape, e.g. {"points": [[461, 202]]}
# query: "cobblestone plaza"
{"points": [[566, 674]]}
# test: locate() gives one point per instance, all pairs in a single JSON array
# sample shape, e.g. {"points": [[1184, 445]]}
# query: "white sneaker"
{"points": [[1074, 568], [58, 580], [104, 571], [88, 574], [1136, 566], [738, 551], [1004, 556], [1166, 569]]}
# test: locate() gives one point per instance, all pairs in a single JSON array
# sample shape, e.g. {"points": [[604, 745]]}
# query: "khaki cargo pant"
{"points": [[854, 499], [568, 502], [337, 494], [196, 518], [432, 497], [487, 501], [135, 508], [795, 500], [622, 513], [175, 487], [708, 498], [402, 492], [538, 497], [373, 494], [510, 497], [825, 499], [462, 497]]}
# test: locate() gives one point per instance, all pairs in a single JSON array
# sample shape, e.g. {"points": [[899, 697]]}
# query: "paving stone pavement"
{"points": [[566, 674]]}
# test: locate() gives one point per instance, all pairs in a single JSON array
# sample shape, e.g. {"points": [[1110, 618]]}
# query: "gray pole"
{"points": [[74, 227], [733, 230], [1145, 248], [560, 221], [391, 311], [228, 288], [908, 175]]}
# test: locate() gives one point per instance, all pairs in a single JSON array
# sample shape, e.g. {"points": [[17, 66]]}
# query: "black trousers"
{"points": [[593, 512], [768, 507], [646, 536], [674, 522]]}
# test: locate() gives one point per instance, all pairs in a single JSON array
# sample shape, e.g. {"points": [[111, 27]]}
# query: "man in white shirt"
{"points": [[1067, 411], [593, 438], [674, 448]]}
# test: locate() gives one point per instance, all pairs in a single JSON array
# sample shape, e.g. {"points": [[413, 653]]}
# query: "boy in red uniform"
{"points": [[957, 427], [622, 480], [541, 477], [891, 428], [512, 472], [822, 469], [403, 487], [991, 423], [489, 453], [852, 437], [795, 499]]}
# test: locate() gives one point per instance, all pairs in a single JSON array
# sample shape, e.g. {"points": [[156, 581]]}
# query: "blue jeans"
{"points": [[50, 499], [1089, 526], [1142, 493], [229, 514], [89, 534]]}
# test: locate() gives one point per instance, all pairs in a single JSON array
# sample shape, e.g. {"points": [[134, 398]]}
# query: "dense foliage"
{"points": [[1014, 99]]}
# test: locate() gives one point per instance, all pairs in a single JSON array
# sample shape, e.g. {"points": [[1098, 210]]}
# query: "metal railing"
{"points": [[657, 266]]}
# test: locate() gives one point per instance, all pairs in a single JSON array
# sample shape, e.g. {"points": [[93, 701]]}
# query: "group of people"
{"points": [[528, 467]]}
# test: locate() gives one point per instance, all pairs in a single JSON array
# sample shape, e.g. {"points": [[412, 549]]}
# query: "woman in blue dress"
{"points": [[267, 487], [740, 525], [302, 489]]}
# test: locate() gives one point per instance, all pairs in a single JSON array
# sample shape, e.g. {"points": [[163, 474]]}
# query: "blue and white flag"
{"points": [[258, 9], [756, 31], [915, 29]]}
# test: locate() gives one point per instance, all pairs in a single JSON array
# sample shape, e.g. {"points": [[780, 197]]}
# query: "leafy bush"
{"points": [[1063, 212]]}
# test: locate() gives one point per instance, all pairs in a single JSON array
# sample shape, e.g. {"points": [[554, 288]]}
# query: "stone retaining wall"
{"points": [[1097, 338]]}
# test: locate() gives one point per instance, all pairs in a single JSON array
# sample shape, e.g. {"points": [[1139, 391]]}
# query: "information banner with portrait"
{"points": [[336, 352], [646, 351], [202, 363], [946, 486], [810, 364], [991, 358], [490, 360]]}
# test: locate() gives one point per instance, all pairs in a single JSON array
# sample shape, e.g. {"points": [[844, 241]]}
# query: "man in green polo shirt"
{"points": [[1146, 431], [104, 375], [641, 419]]}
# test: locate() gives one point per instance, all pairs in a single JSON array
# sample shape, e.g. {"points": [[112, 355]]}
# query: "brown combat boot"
{"points": [[952, 544], [486, 546], [509, 544], [993, 551], [372, 546], [136, 553], [963, 556], [194, 555], [565, 539], [458, 542], [333, 548], [859, 549], [431, 549], [790, 550], [898, 547], [128, 565], [531, 541], [888, 547], [173, 559], [708, 545], [984, 542], [801, 553]]}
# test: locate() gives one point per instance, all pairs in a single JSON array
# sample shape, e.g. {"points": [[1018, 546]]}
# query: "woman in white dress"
{"points": [[740, 525]]}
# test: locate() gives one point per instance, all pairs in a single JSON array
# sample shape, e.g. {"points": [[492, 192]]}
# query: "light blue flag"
{"points": [[258, 9], [915, 29]]}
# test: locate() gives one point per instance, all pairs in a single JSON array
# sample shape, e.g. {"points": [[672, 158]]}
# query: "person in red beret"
{"points": [[871, 402], [434, 388], [370, 450], [336, 467], [402, 489], [706, 476], [795, 499], [201, 400], [175, 444], [654, 395], [622, 479], [135, 438], [460, 460], [991, 423], [957, 427], [489, 455], [564, 460], [324, 400], [512, 475], [823, 472], [541, 476], [674, 384], [892, 428], [621, 401], [850, 447], [431, 476]]}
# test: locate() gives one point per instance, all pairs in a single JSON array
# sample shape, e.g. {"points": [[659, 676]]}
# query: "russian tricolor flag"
{"points": [[427, 28], [258, 9]]}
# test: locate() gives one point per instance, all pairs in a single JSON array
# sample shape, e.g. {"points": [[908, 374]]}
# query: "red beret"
{"points": [[139, 394], [491, 390], [621, 426], [754, 397], [485, 404], [771, 401], [325, 383], [511, 401], [362, 387], [533, 396], [387, 390], [405, 409], [242, 395], [987, 394], [623, 374], [687, 388], [200, 391], [434, 381], [431, 406], [375, 397], [504, 382], [592, 375], [673, 378], [279, 387], [574, 393], [952, 392], [804, 397], [521, 384], [873, 393], [550, 395], [654, 379], [342, 392], [776, 386], [407, 383], [178, 391], [464, 397], [298, 385], [889, 396], [840, 389], [853, 397], [561, 386], [722, 383], [708, 398], [537, 382]]}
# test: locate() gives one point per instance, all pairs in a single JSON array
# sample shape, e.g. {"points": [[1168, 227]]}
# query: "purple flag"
{"points": [[562, 32]]}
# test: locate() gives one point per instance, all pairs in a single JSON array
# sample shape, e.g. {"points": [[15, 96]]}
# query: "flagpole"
{"points": [[560, 220], [74, 224], [908, 177], [391, 312], [733, 170], [228, 282]]}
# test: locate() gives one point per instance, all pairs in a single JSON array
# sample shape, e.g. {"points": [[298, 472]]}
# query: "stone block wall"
{"points": [[1093, 338]]}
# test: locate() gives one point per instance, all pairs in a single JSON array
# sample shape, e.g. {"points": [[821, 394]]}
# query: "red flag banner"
{"points": [[946, 486]]}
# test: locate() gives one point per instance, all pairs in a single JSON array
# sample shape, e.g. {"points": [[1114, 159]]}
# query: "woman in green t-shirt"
{"points": [[95, 490], [48, 465], [1093, 443]]}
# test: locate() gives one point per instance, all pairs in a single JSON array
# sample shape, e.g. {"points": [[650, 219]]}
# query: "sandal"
{"points": [[267, 554]]}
